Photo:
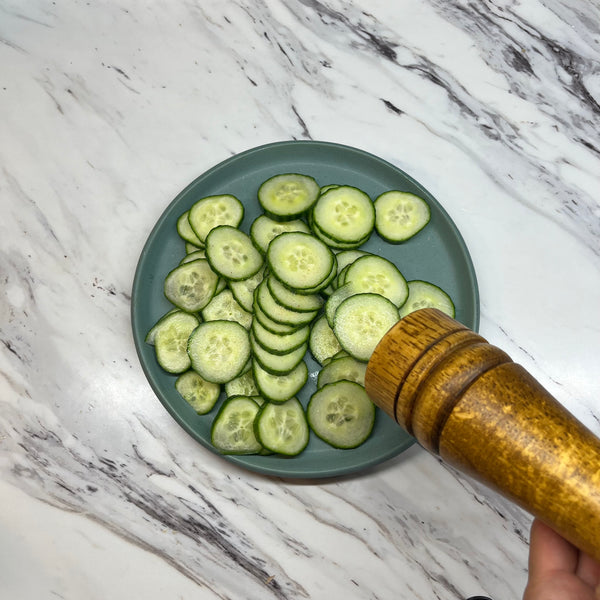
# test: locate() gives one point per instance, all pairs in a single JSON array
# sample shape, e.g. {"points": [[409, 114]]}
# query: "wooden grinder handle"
{"points": [[468, 402]]}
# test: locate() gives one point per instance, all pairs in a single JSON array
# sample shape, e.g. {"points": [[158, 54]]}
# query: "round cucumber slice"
{"points": [[322, 342], [343, 368], [377, 275], [282, 428], [191, 286], [423, 294], [219, 350], [232, 254], [300, 261], [264, 229], [292, 300], [232, 430], [361, 321], [279, 343], [345, 214], [224, 307], [242, 385], [200, 394], [149, 339], [171, 339], [277, 364], [243, 290], [288, 195], [400, 215], [185, 231], [341, 414], [279, 388]]}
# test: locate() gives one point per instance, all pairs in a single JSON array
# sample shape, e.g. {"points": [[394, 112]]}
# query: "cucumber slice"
{"points": [[185, 231], [361, 321], [151, 335], [288, 195], [279, 343], [232, 254], [423, 294], [219, 350], [323, 286], [328, 290], [282, 428], [271, 325], [336, 244], [212, 211], [264, 229], [171, 339], [279, 388], [221, 285], [341, 277], [279, 313], [378, 275], [341, 414], [347, 257], [277, 364], [232, 430], [345, 214], [200, 394], [322, 342], [195, 255], [400, 215], [243, 290], [191, 286], [292, 300], [243, 385], [336, 298], [224, 307], [192, 247], [343, 368], [300, 261]]}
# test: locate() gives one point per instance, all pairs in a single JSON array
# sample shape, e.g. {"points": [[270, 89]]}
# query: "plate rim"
{"points": [[243, 460]]}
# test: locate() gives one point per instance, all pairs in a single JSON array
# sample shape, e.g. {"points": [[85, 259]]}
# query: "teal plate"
{"points": [[437, 254]]}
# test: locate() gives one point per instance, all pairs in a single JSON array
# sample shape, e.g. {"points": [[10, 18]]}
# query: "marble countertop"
{"points": [[108, 110]]}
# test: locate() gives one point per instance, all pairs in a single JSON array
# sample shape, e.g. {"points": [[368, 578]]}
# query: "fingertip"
{"points": [[548, 551]]}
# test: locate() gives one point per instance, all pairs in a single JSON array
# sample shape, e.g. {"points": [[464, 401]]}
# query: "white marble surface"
{"points": [[107, 111]]}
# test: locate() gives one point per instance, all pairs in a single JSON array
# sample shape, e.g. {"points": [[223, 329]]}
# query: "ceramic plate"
{"points": [[437, 254]]}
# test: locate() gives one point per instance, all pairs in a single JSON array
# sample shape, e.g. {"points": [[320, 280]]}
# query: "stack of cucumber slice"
{"points": [[249, 307]]}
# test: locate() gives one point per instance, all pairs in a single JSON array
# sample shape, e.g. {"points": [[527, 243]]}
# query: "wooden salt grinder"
{"points": [[468, 402]]}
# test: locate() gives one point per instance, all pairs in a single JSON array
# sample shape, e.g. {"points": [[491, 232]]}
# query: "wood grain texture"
{"points": [[467, 401]]}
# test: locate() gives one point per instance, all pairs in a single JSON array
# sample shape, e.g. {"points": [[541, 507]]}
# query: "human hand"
{"points": [[558, 570]]}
